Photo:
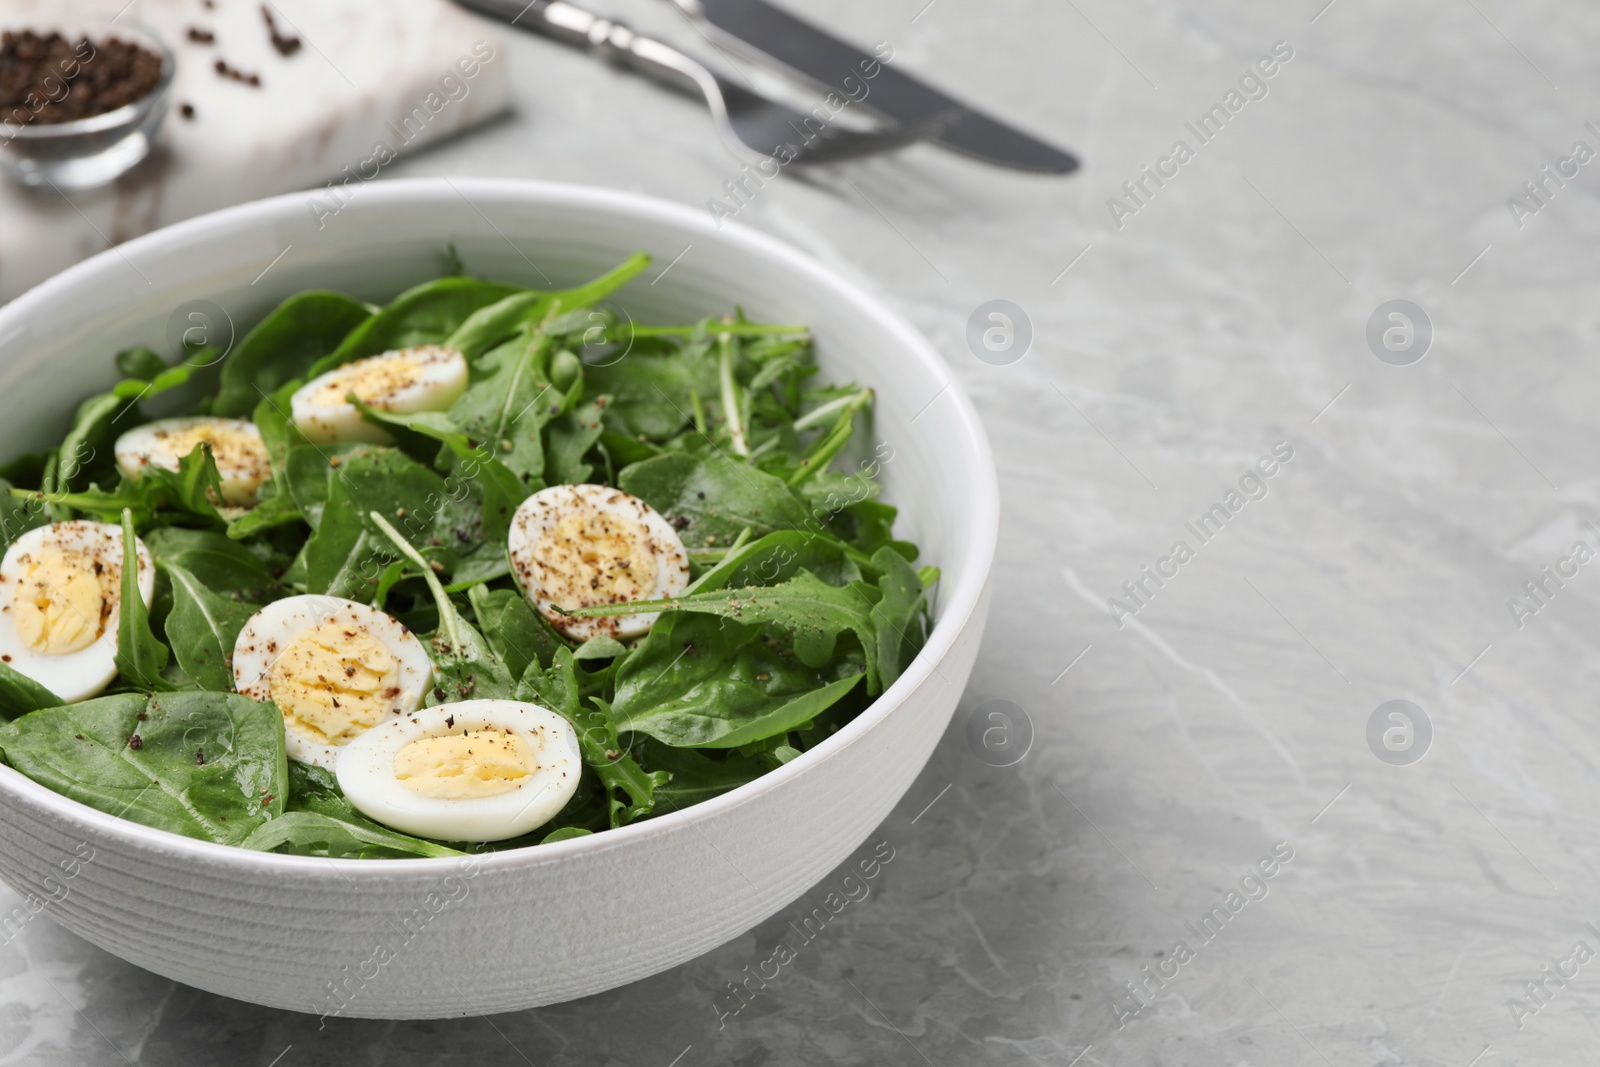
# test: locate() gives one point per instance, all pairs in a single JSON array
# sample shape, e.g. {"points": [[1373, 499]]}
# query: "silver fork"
{"points": [[751, 124]]}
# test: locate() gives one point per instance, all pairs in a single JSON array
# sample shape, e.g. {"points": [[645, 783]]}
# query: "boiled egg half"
{"points": [[236, 446], [335, 668], [581, 546], [404, 381], [60, 600], [475, 770]]}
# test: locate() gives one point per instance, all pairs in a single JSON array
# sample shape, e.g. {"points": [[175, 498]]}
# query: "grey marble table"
{"points": [[1107, 898]]}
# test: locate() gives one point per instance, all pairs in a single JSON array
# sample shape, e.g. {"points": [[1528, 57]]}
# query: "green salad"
{"points": [[482, 568]]}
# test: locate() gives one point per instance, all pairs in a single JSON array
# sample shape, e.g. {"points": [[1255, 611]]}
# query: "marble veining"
{"points": [[1430, 909]]}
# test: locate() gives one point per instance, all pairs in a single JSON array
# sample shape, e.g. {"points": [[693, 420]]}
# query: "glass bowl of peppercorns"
{"points": [[80, 106]]}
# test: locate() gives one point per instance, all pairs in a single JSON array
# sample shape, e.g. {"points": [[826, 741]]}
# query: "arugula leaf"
{"points": [[306, 833], [897, 616], [140, 656], [464, 666], [508, 399], [206, 765], [696, 776], [711, 498], [810, 610], [426, 314], [557, 688], [202, 628], [283, 346]]}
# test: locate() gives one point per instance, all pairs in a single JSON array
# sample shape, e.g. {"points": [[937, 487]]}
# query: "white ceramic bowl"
{"points": [[437, 938]]}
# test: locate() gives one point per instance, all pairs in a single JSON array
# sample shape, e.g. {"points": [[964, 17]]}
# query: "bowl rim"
{"points": [[128, 113], [958, 603]]}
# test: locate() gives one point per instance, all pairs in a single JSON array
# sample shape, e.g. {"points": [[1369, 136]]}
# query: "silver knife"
{"points": [[841, 67]]}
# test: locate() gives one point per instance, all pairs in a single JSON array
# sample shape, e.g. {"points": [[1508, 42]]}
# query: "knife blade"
{"points": [[824, 59]]}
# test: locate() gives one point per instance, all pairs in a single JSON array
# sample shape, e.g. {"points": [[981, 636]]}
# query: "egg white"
{"points": [[366, 773], [72, 676], [242, 470], [270, 631], [540, 517], [434, 385]]}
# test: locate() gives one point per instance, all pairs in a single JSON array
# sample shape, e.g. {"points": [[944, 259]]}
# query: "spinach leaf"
{"points": [[278, 433], [346, 554], [426, 314], [711, 498], [518, 634], [20, 511], [221, 564], [87, 446], [566, 833], [140, 657], [650, 392], [202, 628], [568, 439], [206, 765], [557, 688], [702, 682], [498, 491], [20, 694], [283, 346]]}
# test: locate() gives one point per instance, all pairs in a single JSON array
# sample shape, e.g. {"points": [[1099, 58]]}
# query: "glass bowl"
{"points": [[99, 149]]}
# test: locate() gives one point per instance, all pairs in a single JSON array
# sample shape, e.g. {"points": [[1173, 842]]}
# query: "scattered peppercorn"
{"points": [[200, 757], [223, 68], [135, 742], [187, 111], [286, 45], [47, 78]]}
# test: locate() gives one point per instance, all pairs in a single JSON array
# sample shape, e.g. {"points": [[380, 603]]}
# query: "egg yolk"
{"points": [[478, 763], [62, 599], [375, 381], [595, 557], [241, 457], [334, 682]]}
